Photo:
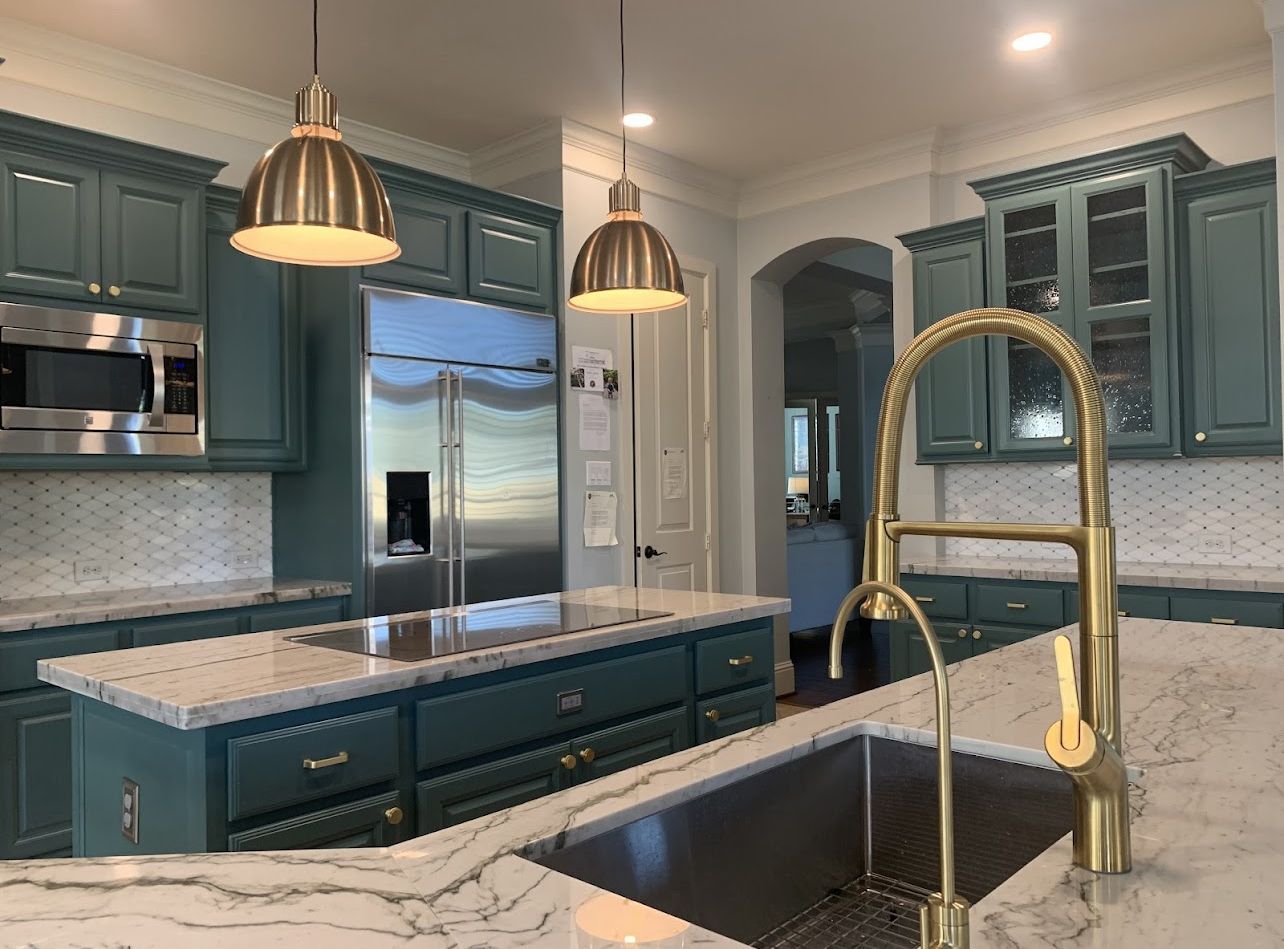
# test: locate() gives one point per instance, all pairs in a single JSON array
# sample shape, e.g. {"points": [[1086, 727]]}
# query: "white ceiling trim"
{"points": [[520, 156], [102, 74]]}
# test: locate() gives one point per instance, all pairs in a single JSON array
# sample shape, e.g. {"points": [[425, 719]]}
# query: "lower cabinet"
{"points": [[735, 712], [474, 792], [909, 654], [996, 637], [35, 780], [370, 822], [614, 749]]}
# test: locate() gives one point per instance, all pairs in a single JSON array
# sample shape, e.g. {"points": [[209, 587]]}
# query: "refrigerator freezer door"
{"points": [[408, 486], [508, 455]]}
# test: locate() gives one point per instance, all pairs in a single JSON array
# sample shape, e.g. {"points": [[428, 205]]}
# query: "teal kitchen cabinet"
{"points": [[510, 261], [370, 822], [735, 712], [152, 237], [35, 779], [613, 749], [298, 613], [1228, 245], [182, 629], [909, 653], [989, 637], [253, 352], [952, 396], [431, 234], [484, 789]]}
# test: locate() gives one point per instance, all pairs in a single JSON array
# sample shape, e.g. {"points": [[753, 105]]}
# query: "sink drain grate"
{"points": [[871, 912]]}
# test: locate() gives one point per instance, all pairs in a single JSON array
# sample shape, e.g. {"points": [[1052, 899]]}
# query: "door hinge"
{"points": [[708, 542], [704, 319], [708, 429]]}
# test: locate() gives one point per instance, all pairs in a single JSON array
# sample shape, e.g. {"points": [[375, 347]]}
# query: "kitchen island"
{"points": [[367, 732], [1208, 832]]}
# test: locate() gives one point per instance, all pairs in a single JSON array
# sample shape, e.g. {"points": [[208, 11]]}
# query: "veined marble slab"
{"points": [[1201, 711], [231, 678], [107, 606], [1182, 575]]}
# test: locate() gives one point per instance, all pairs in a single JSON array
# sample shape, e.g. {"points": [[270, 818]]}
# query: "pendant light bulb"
{"points": [[626, 265], [312, 199]]}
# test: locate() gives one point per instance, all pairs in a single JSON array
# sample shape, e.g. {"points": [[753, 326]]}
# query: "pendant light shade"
{"points": [[626, 265], [312, 199]]}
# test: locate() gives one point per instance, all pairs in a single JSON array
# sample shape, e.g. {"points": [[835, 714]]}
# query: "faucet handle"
{"points": [[1070, 742]]}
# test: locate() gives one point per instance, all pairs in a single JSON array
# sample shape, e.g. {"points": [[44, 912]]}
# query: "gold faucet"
{"points": [[1091, 754], [943, 918]]}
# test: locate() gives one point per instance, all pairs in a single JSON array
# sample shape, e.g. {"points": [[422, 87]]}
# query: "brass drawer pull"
{"points": [[1201, 437], [712, 715], [394, 815], [95, 288], [978, 445], [316, 764], [587, 755], [1223, 620], [114, 290], [976, 634], [569, 762], [1016, 606], [924, 599], [1124, 613], [740, 661], [962, 634]]}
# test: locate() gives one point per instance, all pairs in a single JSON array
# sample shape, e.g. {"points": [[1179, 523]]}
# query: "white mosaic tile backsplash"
{"points": [[1204, 511], [147, 528]]}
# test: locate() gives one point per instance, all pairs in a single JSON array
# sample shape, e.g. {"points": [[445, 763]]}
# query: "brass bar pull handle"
{"points": [[712, 715], [1124, 613], [1016, 606], [924, 599], [740, 661], [316, 764], [1223, 620]]}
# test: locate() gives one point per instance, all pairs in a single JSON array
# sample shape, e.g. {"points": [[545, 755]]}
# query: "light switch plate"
{"points": [[129, 810]]}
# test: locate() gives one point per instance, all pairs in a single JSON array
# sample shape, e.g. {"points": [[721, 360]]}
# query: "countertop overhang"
{"points": [[1201, 708], [215, 681]]}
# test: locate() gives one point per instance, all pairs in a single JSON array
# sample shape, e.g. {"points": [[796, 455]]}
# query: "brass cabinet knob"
{"points": [[978, 445], [712, 715], [962, 634], [393, 815], [1201, 437], [587, 755], [1067, 440], [569, 762], [976, 634], [95, 288], [114, 290]]}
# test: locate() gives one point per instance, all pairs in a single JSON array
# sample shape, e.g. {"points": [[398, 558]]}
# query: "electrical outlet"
{"points": [[1214, 542], [91, 571], [129, 810], [245, 558]]}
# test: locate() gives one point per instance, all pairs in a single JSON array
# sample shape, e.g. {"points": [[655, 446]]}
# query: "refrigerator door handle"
{"points": [[448, 445], [458, 438]]}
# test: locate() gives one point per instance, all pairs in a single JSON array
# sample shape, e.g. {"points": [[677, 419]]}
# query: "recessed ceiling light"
{"points": [[638, 120], [1028, 42]]}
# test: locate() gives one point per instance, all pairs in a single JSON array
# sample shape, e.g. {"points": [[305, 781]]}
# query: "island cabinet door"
{"points": [[736, 712], [474, 792], [613, 749], [988, 638], [909, 655], [369, 822], [35, 775]]}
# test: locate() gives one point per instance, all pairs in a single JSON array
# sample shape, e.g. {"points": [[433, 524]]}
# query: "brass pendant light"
{"points": [[311, 199], [626, 265]]}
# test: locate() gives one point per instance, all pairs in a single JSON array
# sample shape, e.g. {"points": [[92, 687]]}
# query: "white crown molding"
{"points": [[1273, 15], [98, 73], [528, 153]]}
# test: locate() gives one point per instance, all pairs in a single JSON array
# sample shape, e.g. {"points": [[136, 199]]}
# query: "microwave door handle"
{"points": [[156, 355]]}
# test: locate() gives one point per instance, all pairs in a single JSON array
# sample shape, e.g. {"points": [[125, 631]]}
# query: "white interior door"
{"points": [[674, 453]]}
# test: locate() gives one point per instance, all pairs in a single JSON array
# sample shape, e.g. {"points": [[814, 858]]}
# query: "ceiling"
{"points": [[741, 87], [825, 298]]}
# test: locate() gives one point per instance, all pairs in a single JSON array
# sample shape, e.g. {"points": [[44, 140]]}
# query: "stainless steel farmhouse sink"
{"points": [[837, 848]]}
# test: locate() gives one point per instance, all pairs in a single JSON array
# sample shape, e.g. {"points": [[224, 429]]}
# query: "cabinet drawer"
{"points": [[1228, 611], [738, 659], [475, 792], [1143, 605], [1020, 603], [304, 762], [370, 822], [185, 630], [737, 712], [940, 599], [290, 615], [501, 716], [19, 652]]}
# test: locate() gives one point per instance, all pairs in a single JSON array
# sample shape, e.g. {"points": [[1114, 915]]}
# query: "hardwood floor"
{"points": [[866, 664]]}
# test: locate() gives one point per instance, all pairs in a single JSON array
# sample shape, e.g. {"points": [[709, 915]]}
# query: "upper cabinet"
{"points": [[431, 235], [510, 261], [90, 219], [1166, 276]]}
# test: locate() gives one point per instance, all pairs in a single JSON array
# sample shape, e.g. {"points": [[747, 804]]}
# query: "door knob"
{"points": [[114, 290], [95, 288], [1201, 437], [393, 815], [649, 552], [962, 634], [587, 755], [976, 634], [712, 715], [569, 762]]}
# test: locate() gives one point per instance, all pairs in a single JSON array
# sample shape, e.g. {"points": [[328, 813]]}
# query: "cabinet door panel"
{"points": [[253, 358], [1232, 324], [290, 615], [509, 261], [49, 227], [35, 775], [151, 241], [737, 712], [431, 235], [474, 792], [361, 823], [952, 398], [614, 749], [909, 655], [996, 637], [185, 630]]}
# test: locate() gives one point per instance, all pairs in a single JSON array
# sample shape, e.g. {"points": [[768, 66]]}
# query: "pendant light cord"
{"points": [[624, 133], [316, 70]]}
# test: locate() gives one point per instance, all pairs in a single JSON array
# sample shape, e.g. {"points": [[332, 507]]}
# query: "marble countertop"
{"points": [[1187, 575], [214, 681], [106, 606], [1201, 705]]}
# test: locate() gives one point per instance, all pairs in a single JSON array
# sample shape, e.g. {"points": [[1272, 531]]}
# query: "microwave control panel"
{"points": [[180, 385]]}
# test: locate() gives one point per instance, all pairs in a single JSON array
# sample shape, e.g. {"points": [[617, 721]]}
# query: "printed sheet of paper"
{"points": [[674, 473], [595, 424], [599, 519], [589, 357], [597, 474], [593, 380]]}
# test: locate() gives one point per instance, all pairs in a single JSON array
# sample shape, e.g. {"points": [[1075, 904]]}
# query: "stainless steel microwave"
{"points": [[99, 384]]}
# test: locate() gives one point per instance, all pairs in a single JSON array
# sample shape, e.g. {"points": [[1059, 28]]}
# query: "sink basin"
{"points": [[837, 848]]}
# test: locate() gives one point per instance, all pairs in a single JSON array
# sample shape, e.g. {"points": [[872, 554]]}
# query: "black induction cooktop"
{"points": [[413, 638]]}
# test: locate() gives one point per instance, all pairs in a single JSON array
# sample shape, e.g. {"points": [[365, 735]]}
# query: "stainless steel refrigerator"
{"points": [[461, 452]]}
